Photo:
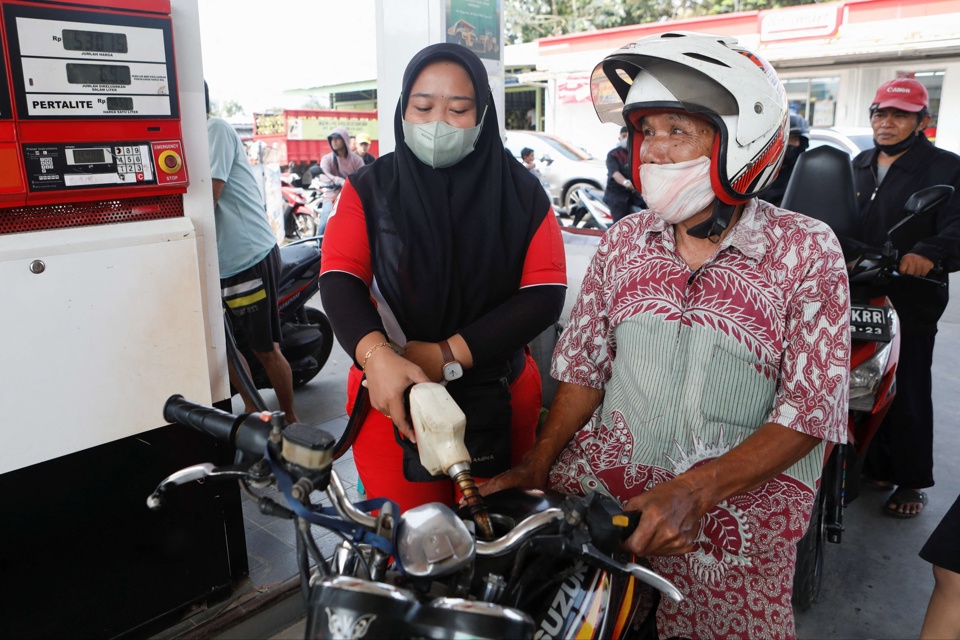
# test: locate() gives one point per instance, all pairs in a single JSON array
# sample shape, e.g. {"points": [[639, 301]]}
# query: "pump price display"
{"points": [[71, 66], [76, 40]]}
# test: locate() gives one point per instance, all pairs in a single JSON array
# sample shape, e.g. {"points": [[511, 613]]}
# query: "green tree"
{"points": [[226, 108], [527, 20]]}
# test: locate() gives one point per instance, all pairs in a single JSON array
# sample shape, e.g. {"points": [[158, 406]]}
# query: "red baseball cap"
{"points": [[905, 94]]}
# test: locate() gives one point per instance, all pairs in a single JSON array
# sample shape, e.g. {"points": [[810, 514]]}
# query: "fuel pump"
{"points": [[110, 305]]}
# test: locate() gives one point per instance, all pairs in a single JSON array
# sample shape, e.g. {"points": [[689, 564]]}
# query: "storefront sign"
{"points": [[799, 22]]}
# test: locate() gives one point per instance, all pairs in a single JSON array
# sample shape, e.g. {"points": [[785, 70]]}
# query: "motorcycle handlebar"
{"points": [[248, 433]]}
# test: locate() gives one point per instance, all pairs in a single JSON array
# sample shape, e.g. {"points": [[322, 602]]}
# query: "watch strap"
{"points": [[446, 352]]}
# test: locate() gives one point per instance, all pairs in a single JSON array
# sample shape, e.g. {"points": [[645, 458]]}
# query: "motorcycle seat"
{"points": [[822, 188], [296, 258]]}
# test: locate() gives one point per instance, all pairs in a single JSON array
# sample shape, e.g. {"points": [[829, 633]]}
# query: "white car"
{"points": [[853, 140], [562, 165]]}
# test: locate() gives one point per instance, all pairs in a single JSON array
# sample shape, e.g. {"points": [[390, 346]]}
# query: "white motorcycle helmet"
{"points": [[711, 77]]}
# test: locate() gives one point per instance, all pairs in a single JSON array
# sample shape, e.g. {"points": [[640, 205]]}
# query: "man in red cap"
{"points": [[903, 162]]}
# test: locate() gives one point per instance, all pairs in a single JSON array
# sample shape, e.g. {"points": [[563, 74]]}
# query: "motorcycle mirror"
{"points": [[433, 542], [547, 159], [924, 202]]}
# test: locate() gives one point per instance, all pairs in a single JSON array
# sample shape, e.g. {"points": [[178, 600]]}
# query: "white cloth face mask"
{"points": [[675, 192]]}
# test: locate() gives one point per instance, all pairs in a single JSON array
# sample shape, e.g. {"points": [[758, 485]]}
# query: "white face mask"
{"points": [[623, 143], [677, 191], [439, 144]]}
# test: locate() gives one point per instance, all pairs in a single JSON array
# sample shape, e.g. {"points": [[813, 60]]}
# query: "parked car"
{"points": [[853, 140], [563, 166]]}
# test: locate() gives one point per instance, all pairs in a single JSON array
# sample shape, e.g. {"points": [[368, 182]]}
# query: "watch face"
{"points": [[452, 371]]}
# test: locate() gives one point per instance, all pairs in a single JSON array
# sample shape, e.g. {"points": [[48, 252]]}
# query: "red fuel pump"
{"points": [[102, 320], [89, 115]]}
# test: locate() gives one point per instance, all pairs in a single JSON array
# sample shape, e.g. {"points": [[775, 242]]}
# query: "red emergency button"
{"points": [[170, 161]]}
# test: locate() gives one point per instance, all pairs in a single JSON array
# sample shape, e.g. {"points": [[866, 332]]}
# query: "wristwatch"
{"points": [[452, 369]]}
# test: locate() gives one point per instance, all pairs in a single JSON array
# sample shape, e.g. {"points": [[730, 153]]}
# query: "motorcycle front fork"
{"points": [[834, 486]]}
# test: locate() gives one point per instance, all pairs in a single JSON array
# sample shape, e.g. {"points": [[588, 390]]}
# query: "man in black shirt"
{"points": [[620, 194], [903, 162]]}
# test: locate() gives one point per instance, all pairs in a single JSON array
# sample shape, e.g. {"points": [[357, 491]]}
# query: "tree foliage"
{"points": [[226, 108], [527, 20]]}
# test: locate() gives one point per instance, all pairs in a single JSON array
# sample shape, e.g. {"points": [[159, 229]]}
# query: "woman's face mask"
{"points": [[440, 124], [676, 192], [439, 145]]}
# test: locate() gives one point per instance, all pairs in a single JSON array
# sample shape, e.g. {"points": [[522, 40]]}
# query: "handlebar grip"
{"points": [[248, 433], [213, 422], [609, 525]]}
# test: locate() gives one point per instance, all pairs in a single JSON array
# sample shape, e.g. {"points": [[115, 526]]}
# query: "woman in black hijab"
{"points": [[442, 260]]}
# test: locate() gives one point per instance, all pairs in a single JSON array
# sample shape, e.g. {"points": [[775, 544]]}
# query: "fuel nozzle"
{"points": [[439, 424]]}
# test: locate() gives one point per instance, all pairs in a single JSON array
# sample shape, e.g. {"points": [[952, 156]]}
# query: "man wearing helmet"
{"points": [[797, 143], [903, 162], [705, 364]]}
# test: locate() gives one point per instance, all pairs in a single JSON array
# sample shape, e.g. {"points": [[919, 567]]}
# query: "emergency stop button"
{"points": [[170, 161], [171, 167]]}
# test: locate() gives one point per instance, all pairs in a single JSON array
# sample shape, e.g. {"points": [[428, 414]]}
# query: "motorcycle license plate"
{"points": [[869, 323]]}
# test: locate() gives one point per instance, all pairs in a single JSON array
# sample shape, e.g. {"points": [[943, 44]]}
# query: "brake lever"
{"points": [[939, 283], [594, 556], [196, 472]]}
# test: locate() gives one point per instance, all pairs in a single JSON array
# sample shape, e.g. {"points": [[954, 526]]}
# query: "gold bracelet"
{"points": [[363, 367]]}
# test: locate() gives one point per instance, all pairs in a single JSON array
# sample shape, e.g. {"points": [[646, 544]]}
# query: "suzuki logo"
{"points": [[343, 625], [552, 625]]}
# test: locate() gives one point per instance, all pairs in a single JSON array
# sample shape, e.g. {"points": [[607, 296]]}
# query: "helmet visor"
{"points": [[613, 79]]}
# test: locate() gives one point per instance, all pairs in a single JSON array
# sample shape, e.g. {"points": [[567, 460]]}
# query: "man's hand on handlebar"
{"points": [[913, 264], [670, 520]]}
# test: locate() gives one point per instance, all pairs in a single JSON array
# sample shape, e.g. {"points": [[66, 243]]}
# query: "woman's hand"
{"points": [[388, 376]]}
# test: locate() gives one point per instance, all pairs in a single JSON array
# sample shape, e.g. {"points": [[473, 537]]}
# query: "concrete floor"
{"points": [[875, 585]]}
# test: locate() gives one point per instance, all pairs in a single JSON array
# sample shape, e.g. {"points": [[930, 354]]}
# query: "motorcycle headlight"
{"points": [[865, 380]]}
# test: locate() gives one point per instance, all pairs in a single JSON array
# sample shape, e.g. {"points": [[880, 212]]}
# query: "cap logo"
{"points": [[899, 90]]}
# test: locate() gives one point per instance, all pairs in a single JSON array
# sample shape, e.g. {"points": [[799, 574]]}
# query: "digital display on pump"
{"points": [[76, 40], [98, 74], [69, 63], [89, 156]]}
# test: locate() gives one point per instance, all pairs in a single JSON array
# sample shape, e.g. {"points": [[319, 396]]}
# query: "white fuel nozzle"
{"points": [[439, 424]]}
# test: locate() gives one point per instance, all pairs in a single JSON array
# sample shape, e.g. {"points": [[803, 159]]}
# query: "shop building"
{"points": [[830, 56]]}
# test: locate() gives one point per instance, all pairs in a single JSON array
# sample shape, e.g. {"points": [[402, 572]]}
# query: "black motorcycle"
{"points": [[307, 334], [551, 568]]}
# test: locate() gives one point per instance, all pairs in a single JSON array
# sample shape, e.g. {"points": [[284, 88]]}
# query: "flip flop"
{"points": [[901, 497]]}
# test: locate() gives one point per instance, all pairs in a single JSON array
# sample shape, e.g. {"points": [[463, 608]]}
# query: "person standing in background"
{"points": [[903, 162], [797, 143], [363, 148], [620, 194], [249, 261], [334, 169]]}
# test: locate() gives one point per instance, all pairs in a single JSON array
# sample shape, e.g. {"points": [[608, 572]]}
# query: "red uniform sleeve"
{"points": [[346, 247], [546, 261]]}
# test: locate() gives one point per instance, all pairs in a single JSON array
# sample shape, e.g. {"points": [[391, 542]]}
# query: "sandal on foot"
{"points": [[901, 497]]}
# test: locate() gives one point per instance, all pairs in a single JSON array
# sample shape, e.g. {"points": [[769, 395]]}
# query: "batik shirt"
{"points": [[692, 363]]}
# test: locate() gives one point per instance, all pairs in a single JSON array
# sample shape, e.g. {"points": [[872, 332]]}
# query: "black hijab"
{"points": [[448, 245]]}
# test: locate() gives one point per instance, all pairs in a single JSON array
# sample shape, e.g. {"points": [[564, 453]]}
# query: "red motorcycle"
{"points": [[301, 207], [822, 187]]}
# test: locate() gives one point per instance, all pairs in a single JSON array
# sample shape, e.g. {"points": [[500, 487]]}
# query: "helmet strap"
{"points": [[713, 227]]}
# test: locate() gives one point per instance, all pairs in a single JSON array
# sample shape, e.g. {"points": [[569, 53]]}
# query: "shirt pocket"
{"points": [[739, 389]]}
